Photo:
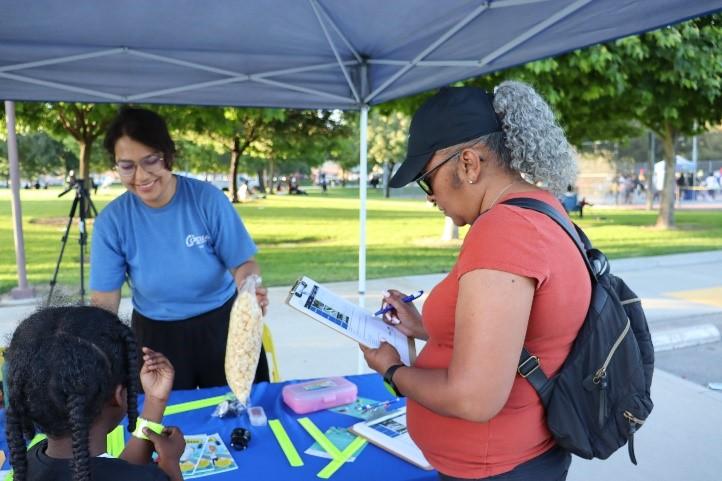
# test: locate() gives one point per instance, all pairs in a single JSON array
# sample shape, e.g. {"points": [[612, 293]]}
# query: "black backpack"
{"points": [[600, 397]]}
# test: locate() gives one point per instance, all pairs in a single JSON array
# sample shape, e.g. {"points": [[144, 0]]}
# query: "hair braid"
{"points": [[16, 443], [80, 428], [18, 427], [132, 381]]}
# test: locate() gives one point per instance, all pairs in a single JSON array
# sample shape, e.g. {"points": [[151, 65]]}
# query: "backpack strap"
{"points": [[529, 365], [578, 237], [530, 369]]}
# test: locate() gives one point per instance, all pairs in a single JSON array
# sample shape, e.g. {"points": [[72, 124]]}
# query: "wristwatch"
{"points": [[389, 380]]}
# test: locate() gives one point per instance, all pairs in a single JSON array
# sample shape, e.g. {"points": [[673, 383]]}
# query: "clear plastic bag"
{"points": [[245, 336]]}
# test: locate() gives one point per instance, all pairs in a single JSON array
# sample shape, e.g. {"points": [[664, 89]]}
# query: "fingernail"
{"points": [[383, 339], [395, 320], [387, 293]]}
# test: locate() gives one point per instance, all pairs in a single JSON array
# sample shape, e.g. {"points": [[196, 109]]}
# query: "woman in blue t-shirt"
{"points": [[182, 248]]}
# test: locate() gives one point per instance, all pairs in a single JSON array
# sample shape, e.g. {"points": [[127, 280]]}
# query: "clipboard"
{"points": [[319, 303], [390, 434]]}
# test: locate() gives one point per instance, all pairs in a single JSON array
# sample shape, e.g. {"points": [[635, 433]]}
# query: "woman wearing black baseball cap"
{"points": [[518, 281]]}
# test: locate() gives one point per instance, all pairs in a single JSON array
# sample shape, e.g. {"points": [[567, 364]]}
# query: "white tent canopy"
{"points": [[682, 165], [346, 54]]}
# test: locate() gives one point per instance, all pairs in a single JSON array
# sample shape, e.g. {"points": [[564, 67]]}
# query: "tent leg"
{"points": [[23, 291], [363, 174]]}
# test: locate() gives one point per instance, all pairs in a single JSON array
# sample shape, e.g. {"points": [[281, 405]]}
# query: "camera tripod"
{"points": [[84, 206]]}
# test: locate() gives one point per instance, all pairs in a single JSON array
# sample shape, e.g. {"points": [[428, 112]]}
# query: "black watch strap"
{"points": [[389, 378]]}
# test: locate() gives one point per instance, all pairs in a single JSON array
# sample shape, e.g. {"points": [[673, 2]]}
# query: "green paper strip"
{"points": [[285, 442], [38, 437], [193, 405], [319, 437], [338, 457], [355, 446], [115, 442]]}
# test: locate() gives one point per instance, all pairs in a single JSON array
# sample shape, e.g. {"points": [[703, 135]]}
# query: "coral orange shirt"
{"points": [[526, 243]]}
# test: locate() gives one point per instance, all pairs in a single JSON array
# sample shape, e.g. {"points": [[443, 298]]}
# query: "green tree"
{"points": [[249, 135], [304, 138], [387, 134], [345, 148], [239, 132], [710, 145], [668, 81], [4, 162], [85, 123], [40, 154], [199, 157]]}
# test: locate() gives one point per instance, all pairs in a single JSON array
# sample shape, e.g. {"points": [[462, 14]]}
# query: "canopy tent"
{"points": [[292, 53], [346, 54], [681, 165]]}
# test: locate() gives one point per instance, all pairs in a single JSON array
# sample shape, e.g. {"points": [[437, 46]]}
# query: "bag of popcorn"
{"points": [[243, 348]]}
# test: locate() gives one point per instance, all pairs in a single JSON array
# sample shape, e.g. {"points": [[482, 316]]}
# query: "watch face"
{"points": [[389, 374], [388, 380]]}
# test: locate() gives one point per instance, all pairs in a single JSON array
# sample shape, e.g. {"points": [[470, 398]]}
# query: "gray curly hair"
{"points": [[532, 143]]}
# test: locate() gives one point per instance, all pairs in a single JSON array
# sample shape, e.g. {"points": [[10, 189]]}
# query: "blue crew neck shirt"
{"points": [[176, 257]]}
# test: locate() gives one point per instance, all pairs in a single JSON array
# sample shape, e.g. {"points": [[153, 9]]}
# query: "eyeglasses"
{"points": [[425, 179], [152, 164]]}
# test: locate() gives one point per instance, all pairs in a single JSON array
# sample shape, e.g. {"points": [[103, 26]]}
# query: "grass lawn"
{"points": [[317, 235]]}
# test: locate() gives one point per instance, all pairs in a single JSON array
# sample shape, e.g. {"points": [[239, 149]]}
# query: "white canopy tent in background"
{"points": [[682, 165], [314, 54]]}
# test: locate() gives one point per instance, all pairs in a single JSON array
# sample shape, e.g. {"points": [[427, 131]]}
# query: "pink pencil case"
{"points": [[310, 396]]}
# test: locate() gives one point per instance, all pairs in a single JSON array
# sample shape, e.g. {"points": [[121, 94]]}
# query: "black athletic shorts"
{"points": [[195, 346]]}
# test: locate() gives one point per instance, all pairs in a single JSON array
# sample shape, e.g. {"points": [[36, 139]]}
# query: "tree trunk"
{"points": [[84, 167], [451, 230], [271, 183], [650, 171], [233, 174], [388, 168], [665, 218], [261, 182]]}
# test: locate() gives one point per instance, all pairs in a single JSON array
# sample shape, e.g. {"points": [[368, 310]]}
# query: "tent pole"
{"points": [[23, 291], [363, 150], [363, 168]]}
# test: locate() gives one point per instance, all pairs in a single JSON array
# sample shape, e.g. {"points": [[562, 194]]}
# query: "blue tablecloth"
{"points": [[264, 459]]}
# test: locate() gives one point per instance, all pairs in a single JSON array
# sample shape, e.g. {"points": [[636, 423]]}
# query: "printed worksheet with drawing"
{"points": [[343, 316], [390, 433]]}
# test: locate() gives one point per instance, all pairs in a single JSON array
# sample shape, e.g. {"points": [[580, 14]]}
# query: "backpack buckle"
{"points": [[526, 371]]}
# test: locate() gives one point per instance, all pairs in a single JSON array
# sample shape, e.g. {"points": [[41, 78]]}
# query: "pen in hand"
{"points": [[389, 307]]}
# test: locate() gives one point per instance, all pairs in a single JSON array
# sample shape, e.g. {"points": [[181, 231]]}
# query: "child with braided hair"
{"points": [[73, 375]]}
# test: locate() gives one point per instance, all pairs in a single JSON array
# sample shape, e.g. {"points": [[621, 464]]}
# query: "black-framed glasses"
{"points": [[152, 164], [425, 179]]}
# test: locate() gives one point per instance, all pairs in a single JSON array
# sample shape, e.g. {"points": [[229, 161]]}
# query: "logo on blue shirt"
{"points": [[197, 240]]}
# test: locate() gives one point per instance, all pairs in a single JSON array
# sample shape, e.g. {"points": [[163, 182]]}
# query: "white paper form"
{"points": [[390, 433], [347, 318]]}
